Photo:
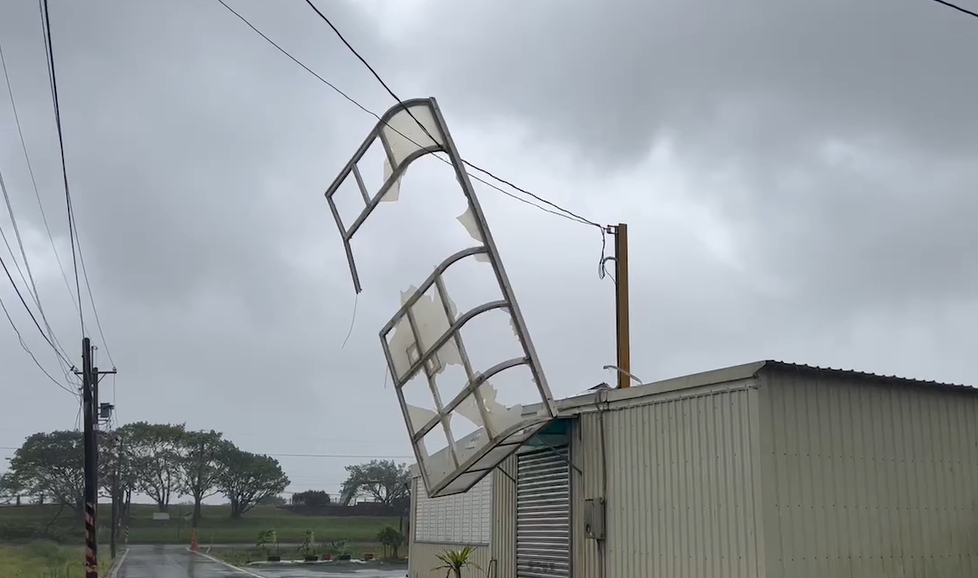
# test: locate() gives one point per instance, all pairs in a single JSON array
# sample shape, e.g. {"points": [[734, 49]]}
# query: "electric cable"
{"points": [[20, 339], [29, 279], [30, 170], [72, 222], [29, 312], [560, 211], [423, 128], [958, 8]]}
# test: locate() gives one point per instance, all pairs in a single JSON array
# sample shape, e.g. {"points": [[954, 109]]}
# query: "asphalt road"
{"points": [[178, 562], [172, 562]]}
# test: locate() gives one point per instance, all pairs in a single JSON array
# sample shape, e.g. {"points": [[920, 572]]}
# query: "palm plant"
{"points": [[454, 561]]}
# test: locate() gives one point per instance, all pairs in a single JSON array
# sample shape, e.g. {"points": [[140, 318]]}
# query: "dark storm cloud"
{"points": [[762, 96], [197, 156]]}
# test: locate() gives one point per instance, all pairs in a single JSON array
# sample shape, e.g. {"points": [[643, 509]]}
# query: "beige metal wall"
{"points": [[423, 556], [681, 495], [864, 480], [503, 543]]}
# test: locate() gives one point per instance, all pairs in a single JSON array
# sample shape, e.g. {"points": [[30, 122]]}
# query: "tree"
{"points": [[383, 480], [247, 478], [11, 488], [199, 467], [51, 464], [115, 466], [156, 451], [392, 539], [311, 498], [272, 500]]}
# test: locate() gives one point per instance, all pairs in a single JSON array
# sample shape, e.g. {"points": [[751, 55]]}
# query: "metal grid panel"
{"points": [[408, 131]]}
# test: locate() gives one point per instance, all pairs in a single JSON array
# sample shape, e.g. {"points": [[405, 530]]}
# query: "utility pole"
{"points": [[92, 412], [621, 306], [91, 469]]}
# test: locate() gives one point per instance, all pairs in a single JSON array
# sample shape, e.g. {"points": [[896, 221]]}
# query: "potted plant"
{"points": [[338, 549], [392, 540], [308, 548], [266, 538], [454, 561]]}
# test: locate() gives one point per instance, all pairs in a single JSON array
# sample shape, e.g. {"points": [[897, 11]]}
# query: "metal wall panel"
{"points": [[865, 480], [456, 519], [503, 541], [680, 498], [543, 514]]}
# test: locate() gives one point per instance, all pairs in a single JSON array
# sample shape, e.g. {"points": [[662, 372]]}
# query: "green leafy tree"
{"points": [[382, 480], [115, 466], [199, 467], [246, 479], [391, 539], [273, 500], [156, 451], [310, 498], [11, 489], [51, 464]]}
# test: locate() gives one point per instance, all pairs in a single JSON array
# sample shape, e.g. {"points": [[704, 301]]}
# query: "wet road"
{"points": [[178, 562], [172, 562]]}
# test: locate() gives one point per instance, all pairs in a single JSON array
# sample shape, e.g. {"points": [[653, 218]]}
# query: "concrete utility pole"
{"points": [[621, 305], [90, 377], [91, 469]]}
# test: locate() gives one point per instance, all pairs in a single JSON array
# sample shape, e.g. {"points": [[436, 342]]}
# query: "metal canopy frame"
{"points": [[503, 439]]}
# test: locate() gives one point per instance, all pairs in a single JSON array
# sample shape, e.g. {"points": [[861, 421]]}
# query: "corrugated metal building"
{"points": [[769, 470]]}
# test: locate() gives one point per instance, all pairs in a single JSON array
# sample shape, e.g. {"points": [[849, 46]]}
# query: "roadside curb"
{"points": [[117, 564]]}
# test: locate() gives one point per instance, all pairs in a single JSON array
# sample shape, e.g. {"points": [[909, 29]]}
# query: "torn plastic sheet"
{"points": [[431, 322], [468, 221], [405, 137]]}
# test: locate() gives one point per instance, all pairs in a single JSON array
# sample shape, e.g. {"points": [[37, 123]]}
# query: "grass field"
{"points": [[44, 559], [216, 526]]}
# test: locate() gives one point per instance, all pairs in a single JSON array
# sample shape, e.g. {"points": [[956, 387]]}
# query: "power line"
{"points": [[958, 8], [560, 212], [20, 338], [72, 230], [29, 312], [72, 223], [398, 99], [30, 170], [29, 280]]}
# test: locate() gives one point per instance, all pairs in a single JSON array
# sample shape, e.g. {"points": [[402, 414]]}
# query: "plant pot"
{"points": [[368, 556], [343, 557], [310, 558], [274, 558]]}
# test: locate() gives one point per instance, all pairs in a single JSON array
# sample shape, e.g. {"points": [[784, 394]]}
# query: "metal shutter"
{"points": [[543, 514]]}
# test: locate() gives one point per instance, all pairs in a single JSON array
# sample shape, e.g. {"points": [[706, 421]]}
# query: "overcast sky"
{"points": [[798, 178]]}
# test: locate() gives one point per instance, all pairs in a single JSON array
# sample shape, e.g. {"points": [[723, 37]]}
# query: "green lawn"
{"points": [[216, 526], [44, 559]]}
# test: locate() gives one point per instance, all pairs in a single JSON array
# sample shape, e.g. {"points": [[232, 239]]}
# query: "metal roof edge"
{"points": [[862, 375], [569, 406]]}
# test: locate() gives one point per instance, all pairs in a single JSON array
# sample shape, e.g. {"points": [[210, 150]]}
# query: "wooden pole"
{"points": [[621, 305]]}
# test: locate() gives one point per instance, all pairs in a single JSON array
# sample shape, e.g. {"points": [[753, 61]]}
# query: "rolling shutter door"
{"points": [[543, 514]]}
